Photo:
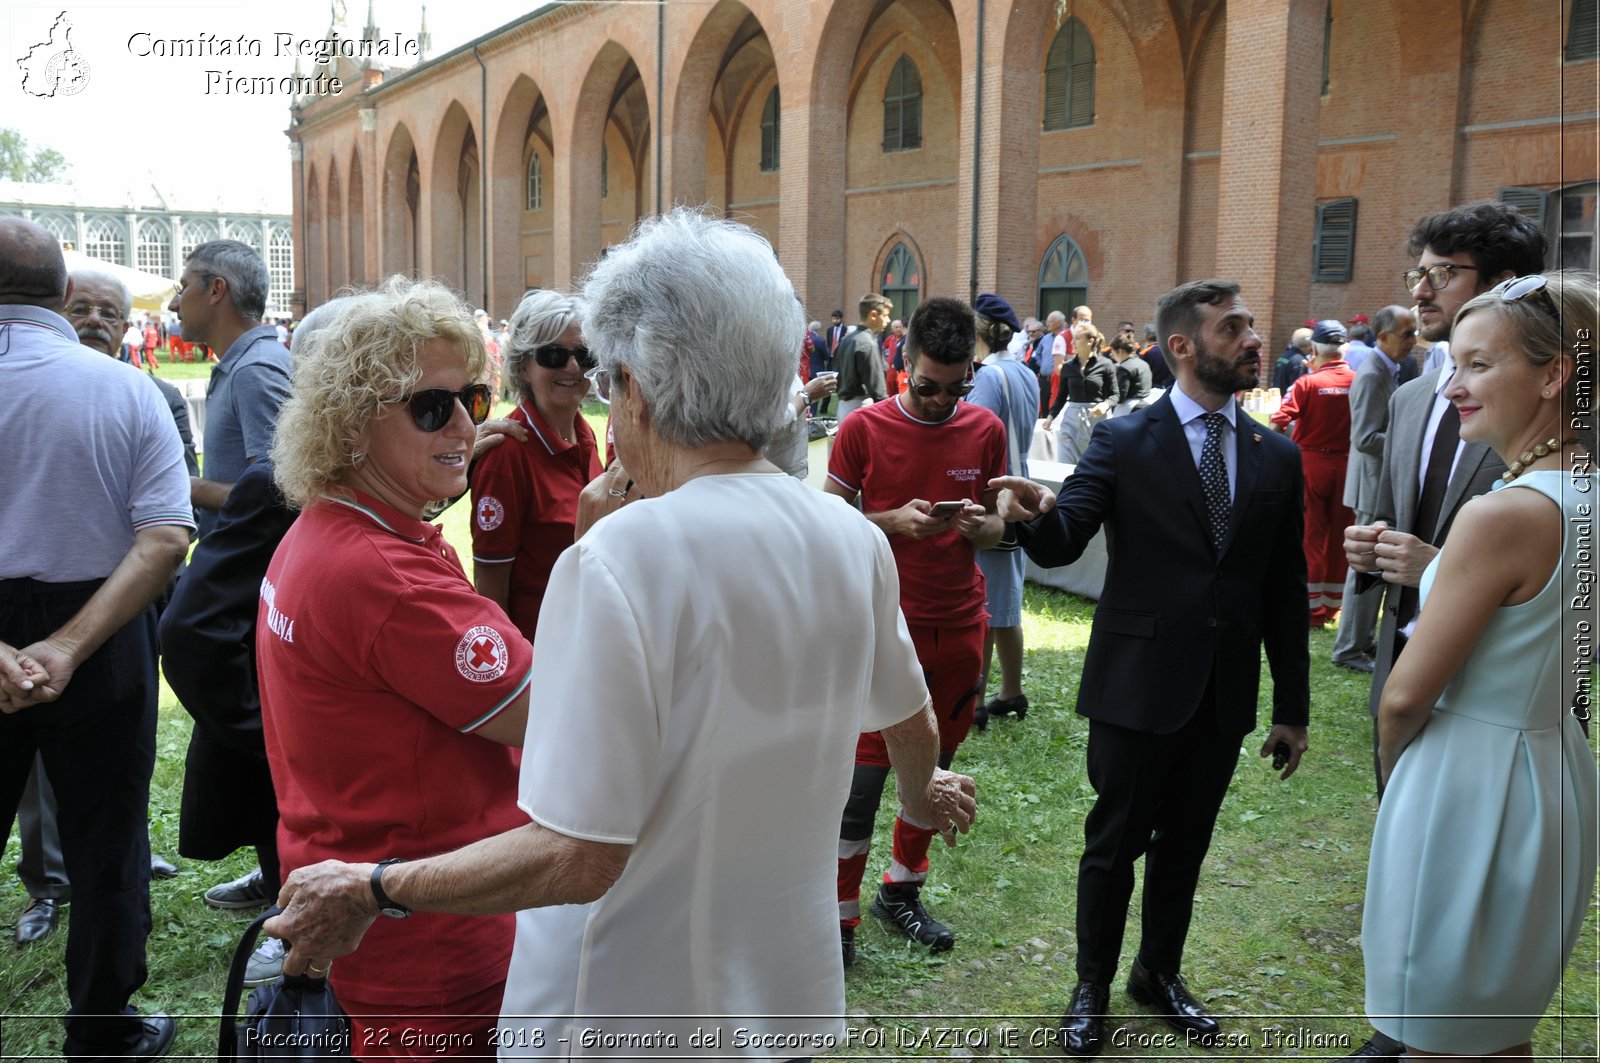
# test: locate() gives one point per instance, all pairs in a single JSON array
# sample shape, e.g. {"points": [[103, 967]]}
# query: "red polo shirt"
{"points": [[525, 506], [377, 660], [891, 457]]}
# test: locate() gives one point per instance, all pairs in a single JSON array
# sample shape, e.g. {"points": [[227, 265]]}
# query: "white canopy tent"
{"points": [[149, 291]]}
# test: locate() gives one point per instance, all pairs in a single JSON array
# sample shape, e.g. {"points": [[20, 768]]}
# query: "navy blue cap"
{"points": [[1329, 331], [995, 308]]}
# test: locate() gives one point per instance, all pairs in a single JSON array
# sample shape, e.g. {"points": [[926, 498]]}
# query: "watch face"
{"points": [[395, 913]]}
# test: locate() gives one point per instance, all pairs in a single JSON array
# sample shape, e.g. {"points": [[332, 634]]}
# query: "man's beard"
{"points": [[1222, 377]]}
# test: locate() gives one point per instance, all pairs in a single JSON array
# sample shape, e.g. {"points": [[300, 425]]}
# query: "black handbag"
{"points": [[294, 1017]]}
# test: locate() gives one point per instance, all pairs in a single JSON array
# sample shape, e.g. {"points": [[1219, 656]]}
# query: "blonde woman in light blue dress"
{"points": [[1483, 857]]}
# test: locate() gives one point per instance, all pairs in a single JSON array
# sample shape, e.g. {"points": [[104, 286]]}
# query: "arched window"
{"points": [[103, 239], [155, 247], [605, 172], [58, 226], [769, 132], [902, 281], [1069, 78], [246, 232], [1063, 278], [535, 182], [196, 233], [902, 107], [280, 268]]}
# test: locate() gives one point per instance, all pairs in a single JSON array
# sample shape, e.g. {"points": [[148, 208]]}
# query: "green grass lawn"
{"points": [[1275, 944]]}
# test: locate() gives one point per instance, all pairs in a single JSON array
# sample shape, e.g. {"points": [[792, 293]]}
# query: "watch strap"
{"points": [[385, 905]]}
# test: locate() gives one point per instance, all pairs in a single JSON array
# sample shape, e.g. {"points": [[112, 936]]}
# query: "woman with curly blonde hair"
{"points": [[391, 691]]}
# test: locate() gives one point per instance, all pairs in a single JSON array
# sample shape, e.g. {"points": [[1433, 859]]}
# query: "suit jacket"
{"points": [[209, 645], [821, 359], [1369, 425], [836, 335], [1175, 611], [1399, 492]]}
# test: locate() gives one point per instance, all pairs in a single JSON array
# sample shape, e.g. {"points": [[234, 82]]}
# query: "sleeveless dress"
{"points": [[1483, 857]]}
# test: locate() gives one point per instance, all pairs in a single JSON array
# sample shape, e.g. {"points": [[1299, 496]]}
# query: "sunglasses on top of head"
{"points": [[550, 356], [432, 408]]}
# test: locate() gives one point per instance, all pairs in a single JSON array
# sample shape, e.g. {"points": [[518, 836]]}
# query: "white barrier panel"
{"points": [[1085, 577]]}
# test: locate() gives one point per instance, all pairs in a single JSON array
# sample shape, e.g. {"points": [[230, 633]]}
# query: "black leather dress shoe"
{"points": [[161, 867], [1172, 1000], [1379, 1049], [155, 1041], [38, 920], [159, 1030], [1083, 1027]]}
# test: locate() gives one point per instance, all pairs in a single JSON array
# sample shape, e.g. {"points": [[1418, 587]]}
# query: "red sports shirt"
{"points": [[891, 457], [525, 506]]}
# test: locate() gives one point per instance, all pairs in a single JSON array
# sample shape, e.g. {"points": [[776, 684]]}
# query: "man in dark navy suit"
{"points": [[1201, 506]]}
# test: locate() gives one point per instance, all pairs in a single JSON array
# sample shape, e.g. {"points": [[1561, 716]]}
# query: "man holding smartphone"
{"points": [[920, 464]]}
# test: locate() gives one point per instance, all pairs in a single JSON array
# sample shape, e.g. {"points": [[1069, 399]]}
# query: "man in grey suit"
{"points": [[1428, 473], [1375, 381]]}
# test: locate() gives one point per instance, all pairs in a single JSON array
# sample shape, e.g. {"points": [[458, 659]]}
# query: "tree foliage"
{"points": [[18, 162]]}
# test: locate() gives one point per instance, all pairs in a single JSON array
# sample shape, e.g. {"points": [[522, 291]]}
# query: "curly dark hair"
{"points": [[1498, 238], [944, 329]]}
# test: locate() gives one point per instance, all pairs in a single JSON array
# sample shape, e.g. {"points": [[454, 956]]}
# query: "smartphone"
{"points": [[946, 510]]}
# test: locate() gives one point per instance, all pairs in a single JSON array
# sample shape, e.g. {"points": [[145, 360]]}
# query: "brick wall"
{"points": [[1211, 143]]}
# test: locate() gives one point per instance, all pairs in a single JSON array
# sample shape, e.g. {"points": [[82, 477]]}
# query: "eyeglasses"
{"points": [[601, 379], [1438, 275], [552, 357], [432, 409], [105, 313], [927, 389], [1533, 287]]}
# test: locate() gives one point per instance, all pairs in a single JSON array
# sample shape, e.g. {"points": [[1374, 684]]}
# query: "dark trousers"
{"points": [[1158, 797], [98, 746]]}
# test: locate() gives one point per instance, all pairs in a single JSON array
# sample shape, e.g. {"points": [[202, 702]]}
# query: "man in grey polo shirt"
{"points": [[96, 520], [221, 297], [220, 300]]}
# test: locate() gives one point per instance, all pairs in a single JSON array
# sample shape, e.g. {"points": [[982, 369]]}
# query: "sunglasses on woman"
{"points": [[1533, 288], [432, 409], [552, 357]]}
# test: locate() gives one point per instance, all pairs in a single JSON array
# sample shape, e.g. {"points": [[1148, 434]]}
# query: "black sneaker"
{"points": [[847, 944], [902, 906]]}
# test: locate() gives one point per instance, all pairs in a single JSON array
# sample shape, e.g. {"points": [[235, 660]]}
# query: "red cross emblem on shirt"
{"points": [[484, 654]]}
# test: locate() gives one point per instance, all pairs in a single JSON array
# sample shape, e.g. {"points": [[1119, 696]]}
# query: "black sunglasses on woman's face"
{"points": [[432, 408]]}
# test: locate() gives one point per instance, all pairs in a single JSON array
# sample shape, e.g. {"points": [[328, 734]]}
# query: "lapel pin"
{"points": [[1255, 437]]}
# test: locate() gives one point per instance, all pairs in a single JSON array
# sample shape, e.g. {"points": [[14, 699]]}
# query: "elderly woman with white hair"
{"points": [[525, 494], [694, 717], [391, 692]]}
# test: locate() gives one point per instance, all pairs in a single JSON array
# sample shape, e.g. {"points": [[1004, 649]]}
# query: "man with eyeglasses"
{"points": [[221, 299], [920, 464], [96, 522], [1428, 472]]}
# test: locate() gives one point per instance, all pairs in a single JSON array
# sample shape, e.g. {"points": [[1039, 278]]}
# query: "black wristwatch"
{"points": [[385, 905]]}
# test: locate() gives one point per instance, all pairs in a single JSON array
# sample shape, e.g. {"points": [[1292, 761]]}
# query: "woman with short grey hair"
{"points": [[525, 493]]}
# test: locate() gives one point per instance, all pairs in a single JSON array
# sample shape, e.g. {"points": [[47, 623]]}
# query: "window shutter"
{"points": [[1583, 34], [1533, 203], [1082, 95], [1335, 249]]}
